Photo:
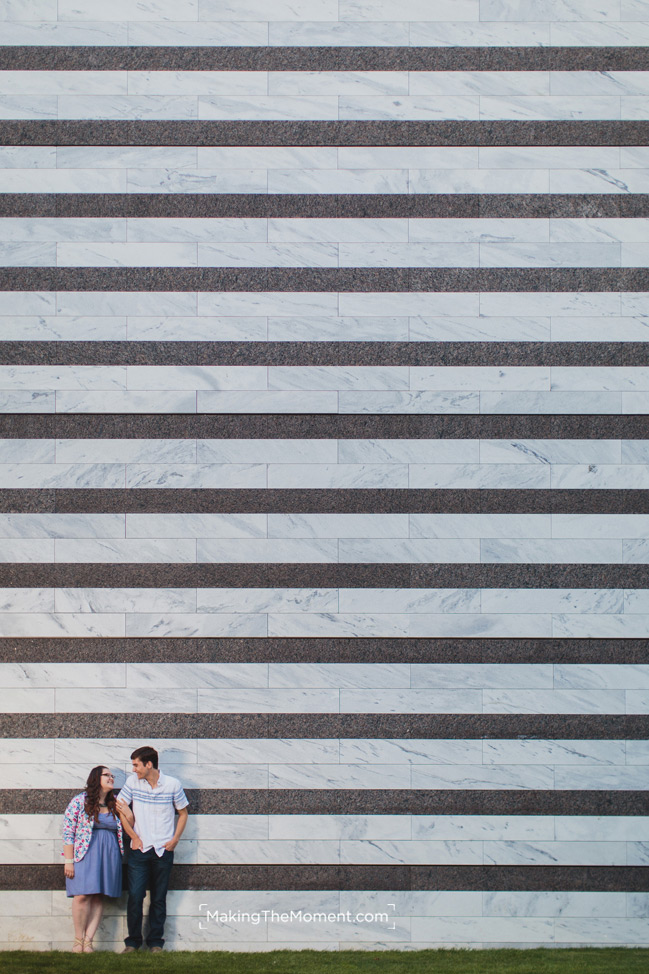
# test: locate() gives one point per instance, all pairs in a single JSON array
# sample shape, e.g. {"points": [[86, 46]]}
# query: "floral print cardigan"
{"points": [[77, 828]]}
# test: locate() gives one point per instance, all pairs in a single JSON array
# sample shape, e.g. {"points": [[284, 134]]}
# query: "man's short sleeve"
{"points": [[126, 792], [180, 798]]}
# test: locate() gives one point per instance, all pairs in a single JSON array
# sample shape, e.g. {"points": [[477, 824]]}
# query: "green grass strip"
{"points": [[605, 960]]}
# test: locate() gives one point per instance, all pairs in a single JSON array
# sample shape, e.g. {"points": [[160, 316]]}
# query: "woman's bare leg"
{"points": [[94, 916], [80, 916]]}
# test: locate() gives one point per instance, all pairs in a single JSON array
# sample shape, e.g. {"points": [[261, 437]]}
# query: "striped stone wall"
{"points": [[324, 461]]}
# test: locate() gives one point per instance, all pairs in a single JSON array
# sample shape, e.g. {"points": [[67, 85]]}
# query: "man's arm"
{"points": [[183, 815], [124, 811], [127, 820], [126, 816]]}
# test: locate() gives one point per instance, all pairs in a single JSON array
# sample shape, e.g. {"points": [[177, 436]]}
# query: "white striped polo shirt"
{"points": [[154, 808]]}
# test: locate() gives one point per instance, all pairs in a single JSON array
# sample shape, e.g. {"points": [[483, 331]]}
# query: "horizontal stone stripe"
{"points": [[306, 426], [326, 205], [321, 575], [285, 58], [303, 877], [342, 279], [410, 726], [363, 353], [407, 501], [312, 133], [316, 650]]}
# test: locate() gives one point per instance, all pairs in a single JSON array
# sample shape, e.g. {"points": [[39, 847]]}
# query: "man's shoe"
{"points": [[156, 950], [128, 950]]}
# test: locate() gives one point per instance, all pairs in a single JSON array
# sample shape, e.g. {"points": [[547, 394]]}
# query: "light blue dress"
{"points": [[100, 870]]}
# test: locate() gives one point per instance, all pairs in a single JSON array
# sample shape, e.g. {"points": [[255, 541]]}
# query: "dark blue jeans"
{"points": [[147, 869]]}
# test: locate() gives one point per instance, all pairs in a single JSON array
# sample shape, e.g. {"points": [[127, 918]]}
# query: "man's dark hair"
{"points": [[145, 754]]}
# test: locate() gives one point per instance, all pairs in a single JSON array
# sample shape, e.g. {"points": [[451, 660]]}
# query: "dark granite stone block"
{"points": [[319, 650], [27, 425], [27, 501], [325, 58], [372, 877], [599, 279], [596, 58], [481, 279], [321, 426], [375, 726], [326, 353], [97, 353], [214, 205], [146, 575], [220, 877], [514, 58], [136, 426], [633, 205], [318, 575], [241, 133], [317, 877], [411, 501], [27, 205], [89, 205], [566, 878], [137, 725], [139, 279], [242, 801], [556, 205], [529, 576], [323, 205], [228, 801]]}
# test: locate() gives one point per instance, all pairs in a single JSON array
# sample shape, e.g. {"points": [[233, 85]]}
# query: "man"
{"points": [[155, 797]]}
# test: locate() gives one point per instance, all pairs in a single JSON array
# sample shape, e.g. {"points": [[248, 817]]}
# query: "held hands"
{"points": [[123, 810]]}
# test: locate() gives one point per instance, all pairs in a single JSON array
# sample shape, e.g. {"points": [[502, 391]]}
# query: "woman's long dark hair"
{"points": [[93, 790]]}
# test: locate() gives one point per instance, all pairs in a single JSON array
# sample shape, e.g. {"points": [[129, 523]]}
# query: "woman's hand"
{"points": [[124, 812], [69, 870]]}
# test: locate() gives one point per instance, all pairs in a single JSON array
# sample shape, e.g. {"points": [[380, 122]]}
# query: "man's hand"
{"points": [[136, 843], [171, 845]]}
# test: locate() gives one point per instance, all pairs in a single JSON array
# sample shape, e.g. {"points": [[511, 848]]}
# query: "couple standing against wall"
{"points": [[94, 823]]}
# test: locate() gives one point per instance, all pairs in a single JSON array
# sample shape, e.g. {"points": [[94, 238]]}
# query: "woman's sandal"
{"points": [[87, 947], [78, 943]]}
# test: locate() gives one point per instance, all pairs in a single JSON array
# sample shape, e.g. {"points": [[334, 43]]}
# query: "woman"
{"points": [[92, 851]]}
